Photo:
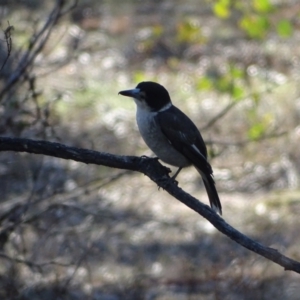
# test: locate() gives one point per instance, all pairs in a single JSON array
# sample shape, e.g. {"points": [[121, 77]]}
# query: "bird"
{"points": [[171, 134]]}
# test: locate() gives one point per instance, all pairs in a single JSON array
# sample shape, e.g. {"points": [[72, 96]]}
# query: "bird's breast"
{"points": [[157, 141]]}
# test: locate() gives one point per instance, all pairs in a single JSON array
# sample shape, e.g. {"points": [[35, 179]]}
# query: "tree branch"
{"points": [[36, 44], [157, 173], [8, 40]]}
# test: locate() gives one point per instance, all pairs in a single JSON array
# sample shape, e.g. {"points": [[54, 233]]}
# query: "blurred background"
{"points": [[75, 231]]}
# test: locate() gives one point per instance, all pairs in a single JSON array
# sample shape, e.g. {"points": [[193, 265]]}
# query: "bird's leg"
{"points": [[171, 179], [177, 172]]}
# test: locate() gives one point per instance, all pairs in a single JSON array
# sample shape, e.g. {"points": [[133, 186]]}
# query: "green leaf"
{"points": [[224, 84], [237, 92], [284, 28], [189, 31], [259, 129], [256, 26], [262, 6], [256, 131], [237, 72], [204, 83], [221, 9]]}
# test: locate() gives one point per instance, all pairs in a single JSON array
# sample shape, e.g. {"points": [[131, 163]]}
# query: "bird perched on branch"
{"points": [[171, 135]]}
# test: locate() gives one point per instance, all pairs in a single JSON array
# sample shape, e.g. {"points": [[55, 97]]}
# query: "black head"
{"points": [[149, 95]]}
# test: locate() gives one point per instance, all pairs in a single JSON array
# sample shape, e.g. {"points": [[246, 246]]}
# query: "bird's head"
{"points": [[149, 95]]}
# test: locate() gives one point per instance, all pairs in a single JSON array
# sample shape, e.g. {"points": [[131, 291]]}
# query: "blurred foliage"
{"points": [[260, 126], [222, 8], [232, 82], [284, 28], [255, 17], [255, 26], [189, 31]]}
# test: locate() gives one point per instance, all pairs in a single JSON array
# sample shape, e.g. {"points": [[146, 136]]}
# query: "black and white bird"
{"points": [[171, 135]]}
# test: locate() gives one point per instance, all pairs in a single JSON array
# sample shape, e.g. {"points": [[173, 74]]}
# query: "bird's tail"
{"points": [[212, 193]]}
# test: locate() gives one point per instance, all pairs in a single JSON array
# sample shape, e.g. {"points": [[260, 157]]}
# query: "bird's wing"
{"points": [[184, 136]]}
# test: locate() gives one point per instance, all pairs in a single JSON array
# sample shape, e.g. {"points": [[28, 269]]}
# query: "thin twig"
{"points": [[32, 264], [37, 44], [245, 142], [7, 36]]}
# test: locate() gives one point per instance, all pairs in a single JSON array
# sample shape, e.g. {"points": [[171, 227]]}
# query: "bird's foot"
{"points": [[165, 181], [170, 180], [174, 180]]}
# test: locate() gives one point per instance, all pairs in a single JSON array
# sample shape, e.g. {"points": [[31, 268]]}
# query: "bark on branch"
{"points": [[157, 173]]}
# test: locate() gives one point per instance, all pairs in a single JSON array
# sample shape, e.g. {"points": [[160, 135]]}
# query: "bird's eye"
{"points": [[142, 95]]}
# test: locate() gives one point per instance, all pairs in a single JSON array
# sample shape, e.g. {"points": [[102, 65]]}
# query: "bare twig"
{"points": [[7, 36], [230, 106], [31, 264], [245, 142], [157, 173], [79, 262], [37, 44], [220, 115]]}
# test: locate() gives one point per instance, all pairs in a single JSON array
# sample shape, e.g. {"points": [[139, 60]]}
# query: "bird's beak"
{"points": [[134, 93]]}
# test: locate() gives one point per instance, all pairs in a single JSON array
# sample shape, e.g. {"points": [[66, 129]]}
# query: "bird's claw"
{"points": [[165, 181], [174, 181]]}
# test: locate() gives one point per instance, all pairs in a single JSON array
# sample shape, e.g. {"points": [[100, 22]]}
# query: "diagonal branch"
{"points": [[157, 173]]}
